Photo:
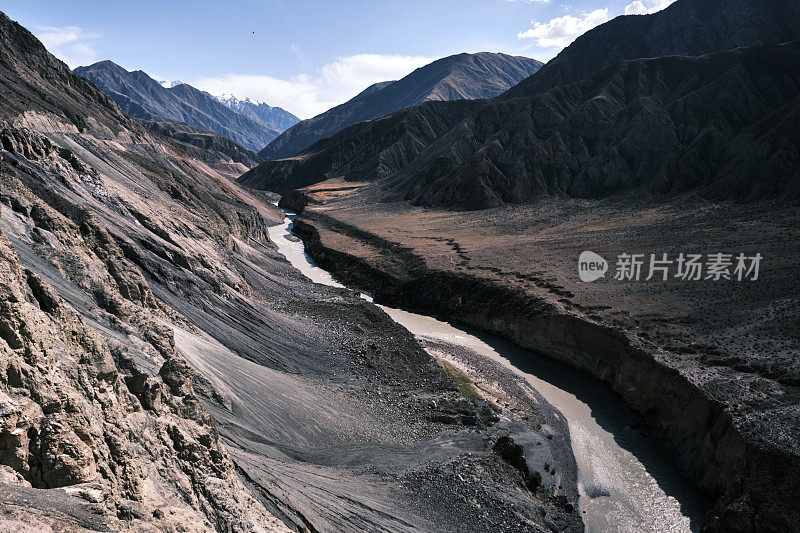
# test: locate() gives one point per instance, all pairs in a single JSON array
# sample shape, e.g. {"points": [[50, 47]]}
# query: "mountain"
{"points": [[164, 367], [461, 76], [100, 420], [687, 28], [278, 118], [664, 125], [222, 154], [716, 124], [140, 96], [364, 151]]}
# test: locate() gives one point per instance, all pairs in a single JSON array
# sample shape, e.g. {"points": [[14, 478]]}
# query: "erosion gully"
{"points": [[627, 482]]}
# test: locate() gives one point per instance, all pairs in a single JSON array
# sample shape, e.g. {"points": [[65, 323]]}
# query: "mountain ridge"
{"points": [[461, 76], [144, 98], [484, 156], [705, 26], [276, 117]]}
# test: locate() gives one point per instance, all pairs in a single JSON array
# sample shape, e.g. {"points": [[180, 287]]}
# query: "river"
{"points": [[627, 482]]}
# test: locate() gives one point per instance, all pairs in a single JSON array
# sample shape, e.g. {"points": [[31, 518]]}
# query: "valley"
{"points": [[694, 350], [216, 316], [616, 487]]}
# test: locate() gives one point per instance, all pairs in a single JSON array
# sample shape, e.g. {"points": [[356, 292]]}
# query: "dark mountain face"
{"points": [[712, 124], [140, 96], [462, 76], [724, 125], [278, 118], [364, 151], [687, 27]]}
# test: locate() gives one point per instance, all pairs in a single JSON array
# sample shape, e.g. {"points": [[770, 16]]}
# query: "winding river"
{"points": [[627, 482]]}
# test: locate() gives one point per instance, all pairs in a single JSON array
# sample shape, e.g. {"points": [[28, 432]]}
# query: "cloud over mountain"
{"points": [[71, 44], [307, 95]]}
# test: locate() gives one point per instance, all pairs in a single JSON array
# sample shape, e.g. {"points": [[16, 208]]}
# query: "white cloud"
{"points": [[71, 44], [308, 95], [644, 7], [561, 31]]}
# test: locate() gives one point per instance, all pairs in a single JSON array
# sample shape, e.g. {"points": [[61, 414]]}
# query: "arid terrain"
{"points": [[165, 368], [712, 365], [168, 362]]}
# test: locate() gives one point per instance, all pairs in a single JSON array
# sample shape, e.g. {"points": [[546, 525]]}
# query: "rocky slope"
{"points": [[462, 76], [278, 118], [364, 151], [717, 125], [142, 97], [166, 369], [685, 28], [99, 411], [713, 124], [220, 153]]}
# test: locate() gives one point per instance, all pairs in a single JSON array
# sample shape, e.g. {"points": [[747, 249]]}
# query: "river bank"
{"points": [[626, 482], [721, 448]]}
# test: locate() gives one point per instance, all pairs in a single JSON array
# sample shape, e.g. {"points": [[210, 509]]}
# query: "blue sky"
{"points": [[304, 56]]}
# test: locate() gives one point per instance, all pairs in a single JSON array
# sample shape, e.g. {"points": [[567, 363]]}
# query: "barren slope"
{"points": [[458, 77], [165, 367], [716, 124], [712, 366]]}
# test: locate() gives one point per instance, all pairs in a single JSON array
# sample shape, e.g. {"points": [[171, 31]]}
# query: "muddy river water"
{"points": [[627, 482]]}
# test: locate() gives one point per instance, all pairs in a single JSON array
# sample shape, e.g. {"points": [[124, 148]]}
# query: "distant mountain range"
{"points": [[462, 76], [714, 124], [142, 97], [278, 118]]}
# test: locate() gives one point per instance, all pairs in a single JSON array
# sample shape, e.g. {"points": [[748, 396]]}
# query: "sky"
{"points": [[301, 55]]}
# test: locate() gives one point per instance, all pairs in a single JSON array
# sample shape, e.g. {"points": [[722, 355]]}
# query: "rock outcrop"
{"points": [[78, 414]]}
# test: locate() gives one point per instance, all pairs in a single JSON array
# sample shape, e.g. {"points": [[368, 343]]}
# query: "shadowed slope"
{"points": [[687, 28], [716, 124], [462, 76]]}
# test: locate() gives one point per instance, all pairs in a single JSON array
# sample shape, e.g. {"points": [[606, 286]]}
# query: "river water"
{"points": [[627, 482]]}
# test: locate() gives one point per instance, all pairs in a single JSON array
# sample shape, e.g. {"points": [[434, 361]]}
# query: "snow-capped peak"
{"points": [[232, 100]]}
